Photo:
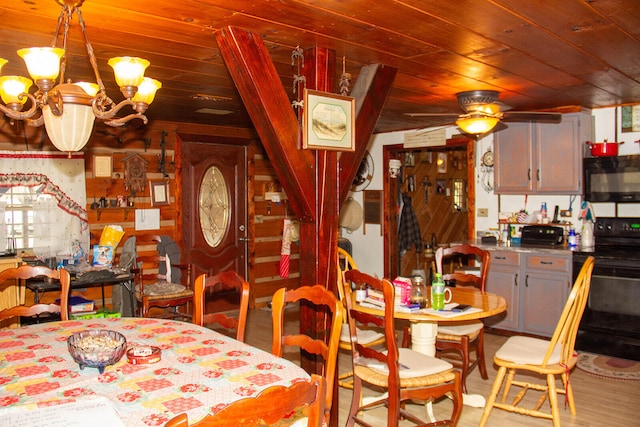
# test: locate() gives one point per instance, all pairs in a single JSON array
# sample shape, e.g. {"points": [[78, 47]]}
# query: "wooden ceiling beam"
{"points": [[268, 105], [370, 91]]}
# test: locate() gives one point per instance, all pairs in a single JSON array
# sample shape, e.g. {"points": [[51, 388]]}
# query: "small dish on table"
{"points": [[97, 348]]}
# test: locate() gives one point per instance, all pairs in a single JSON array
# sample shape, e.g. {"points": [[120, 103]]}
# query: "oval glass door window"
{"points": [[213, 203]]}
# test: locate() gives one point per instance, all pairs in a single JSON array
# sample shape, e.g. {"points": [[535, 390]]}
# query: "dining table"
{"points": [[424, 322], [200, 371]]}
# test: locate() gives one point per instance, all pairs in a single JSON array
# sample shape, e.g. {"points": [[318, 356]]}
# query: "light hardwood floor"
{"points": [[599, 401]]}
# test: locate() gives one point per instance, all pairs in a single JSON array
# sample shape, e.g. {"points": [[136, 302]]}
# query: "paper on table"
{"points": [[95, 411], [447, 311]]}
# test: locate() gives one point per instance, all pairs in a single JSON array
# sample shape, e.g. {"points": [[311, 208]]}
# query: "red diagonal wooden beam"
{"points": [[271, 112], [370, 91]]}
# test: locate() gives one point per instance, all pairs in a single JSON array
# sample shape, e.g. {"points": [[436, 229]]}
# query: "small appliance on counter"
{"points": [[542, 236]]}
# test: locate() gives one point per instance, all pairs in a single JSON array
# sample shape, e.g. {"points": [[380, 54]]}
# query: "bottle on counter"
{"points": [[573, 242], [543, 210]]}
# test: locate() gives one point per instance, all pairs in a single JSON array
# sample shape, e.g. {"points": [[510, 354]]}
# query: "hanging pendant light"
{"points": [[68, 110]]}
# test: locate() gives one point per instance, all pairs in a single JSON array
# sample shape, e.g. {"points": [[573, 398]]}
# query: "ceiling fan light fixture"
{"points": [[476, 124]]}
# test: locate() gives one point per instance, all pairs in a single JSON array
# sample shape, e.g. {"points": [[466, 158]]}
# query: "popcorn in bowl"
{"points": [[96, 348]]}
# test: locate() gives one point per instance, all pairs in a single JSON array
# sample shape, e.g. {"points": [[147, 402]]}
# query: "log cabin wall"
{"points": [[268, 226], [265, 218]]}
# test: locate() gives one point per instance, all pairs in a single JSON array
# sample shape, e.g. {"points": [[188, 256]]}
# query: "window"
{"points": [[19, 213]]}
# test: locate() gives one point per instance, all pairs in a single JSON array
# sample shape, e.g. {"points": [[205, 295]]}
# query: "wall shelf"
{"points": [[125, 210]]}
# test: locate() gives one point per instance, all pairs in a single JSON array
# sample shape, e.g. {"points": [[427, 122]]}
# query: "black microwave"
{"points": [[612, 179]]}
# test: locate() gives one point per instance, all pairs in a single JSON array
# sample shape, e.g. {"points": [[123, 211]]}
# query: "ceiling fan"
{"points": [[484, 113]]}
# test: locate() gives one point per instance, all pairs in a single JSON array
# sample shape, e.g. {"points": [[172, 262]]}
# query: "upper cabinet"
{"points": [[542, 158]]}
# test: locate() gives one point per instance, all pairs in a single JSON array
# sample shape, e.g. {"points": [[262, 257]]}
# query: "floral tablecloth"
{"points": [[201, 370]]}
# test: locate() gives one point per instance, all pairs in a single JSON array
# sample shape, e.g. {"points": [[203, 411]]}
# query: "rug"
{"points": [[609, 367]]}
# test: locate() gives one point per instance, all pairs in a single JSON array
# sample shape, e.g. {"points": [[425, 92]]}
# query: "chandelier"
{"points": [[68, 110]]}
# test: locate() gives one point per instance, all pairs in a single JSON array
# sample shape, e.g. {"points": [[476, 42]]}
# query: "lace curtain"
{"points": [[64, 218]]}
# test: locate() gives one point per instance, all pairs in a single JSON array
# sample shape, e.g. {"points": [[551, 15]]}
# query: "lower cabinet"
{"points": [[535, 286]]}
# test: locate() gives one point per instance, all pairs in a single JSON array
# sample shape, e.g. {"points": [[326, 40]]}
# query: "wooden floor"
{"points": [[599, 401]]}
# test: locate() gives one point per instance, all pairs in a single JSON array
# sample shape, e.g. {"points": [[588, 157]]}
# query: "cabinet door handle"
{"points": [[502, 258], [526, 281], [515, 280], [546, 262], [529, 174], [538, 174]]}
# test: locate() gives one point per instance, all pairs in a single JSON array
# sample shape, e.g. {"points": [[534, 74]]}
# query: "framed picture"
{"points": [[442, 162], [630, 118], [159, 193], [102, 166], [409, 159], [328, 121]]}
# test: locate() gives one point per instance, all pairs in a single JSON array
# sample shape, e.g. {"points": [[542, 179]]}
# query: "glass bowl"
{"points": [[97, 348]]}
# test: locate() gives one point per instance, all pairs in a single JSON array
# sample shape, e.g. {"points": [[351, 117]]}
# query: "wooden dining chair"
{"points": [[324, 346], [268, 407], [463, 337], [366, 336], [152, 288], [405, 374], [538, 357], [25, 272], [227, 284]]}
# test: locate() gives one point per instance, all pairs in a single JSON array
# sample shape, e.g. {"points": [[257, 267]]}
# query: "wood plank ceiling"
{"points": [[539, 55]]}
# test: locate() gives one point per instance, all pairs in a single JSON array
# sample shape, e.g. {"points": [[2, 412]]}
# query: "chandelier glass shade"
{"points": [[477, 124], [68, 110], [11, 87]]}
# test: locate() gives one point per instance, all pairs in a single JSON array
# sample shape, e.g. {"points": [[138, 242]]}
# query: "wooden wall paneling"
{"points": [[267, 226]]}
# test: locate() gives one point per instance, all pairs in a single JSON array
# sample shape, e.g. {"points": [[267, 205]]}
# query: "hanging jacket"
{"points": [[409, 228]]}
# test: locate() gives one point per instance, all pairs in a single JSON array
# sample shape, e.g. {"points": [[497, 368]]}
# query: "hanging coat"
{"points": [[409, 228]]}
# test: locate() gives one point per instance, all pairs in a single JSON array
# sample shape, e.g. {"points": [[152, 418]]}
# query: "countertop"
{"points": [[559, 250]]}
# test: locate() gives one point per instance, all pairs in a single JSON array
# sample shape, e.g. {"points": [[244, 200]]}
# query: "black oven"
{"points": [[611, 322]]}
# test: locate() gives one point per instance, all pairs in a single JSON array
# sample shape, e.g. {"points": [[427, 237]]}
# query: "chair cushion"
{"points": [[467, 328], [365, 336], [527, 350], [414, 364], [163, 288]]}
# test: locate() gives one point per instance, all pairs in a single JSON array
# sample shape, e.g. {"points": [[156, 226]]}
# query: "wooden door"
{"points": [[431, 189], [214, 207]]}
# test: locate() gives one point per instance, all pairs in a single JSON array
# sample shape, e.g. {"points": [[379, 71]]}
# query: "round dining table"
{"points": [[200, 372], [424, 322]]}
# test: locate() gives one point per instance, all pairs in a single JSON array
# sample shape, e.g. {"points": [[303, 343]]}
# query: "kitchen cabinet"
{"points": [[542, 158], [536, 287], [504, 273]]}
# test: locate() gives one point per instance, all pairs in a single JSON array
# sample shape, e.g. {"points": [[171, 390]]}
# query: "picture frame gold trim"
{"points": [[328, 121]]}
